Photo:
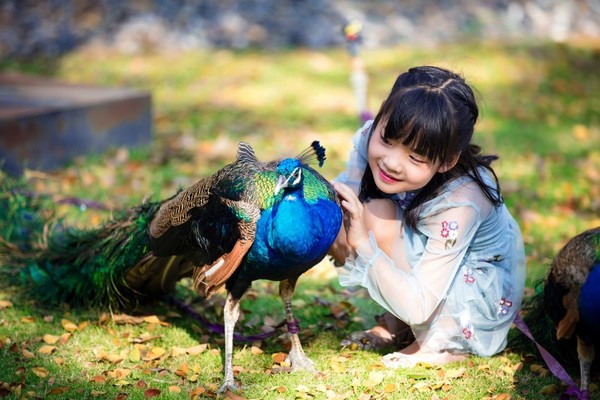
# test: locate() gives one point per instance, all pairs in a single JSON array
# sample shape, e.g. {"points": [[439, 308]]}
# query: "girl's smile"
{"points": [[386, 177]]}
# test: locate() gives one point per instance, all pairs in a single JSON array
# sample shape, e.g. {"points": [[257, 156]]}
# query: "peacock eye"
{"points": [[296, 176]]}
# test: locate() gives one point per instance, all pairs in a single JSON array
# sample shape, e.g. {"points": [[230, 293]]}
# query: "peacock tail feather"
{"points": [[61, 263]]}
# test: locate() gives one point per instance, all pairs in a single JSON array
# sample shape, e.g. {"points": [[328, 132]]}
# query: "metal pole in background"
{"points": [[352, 32]]}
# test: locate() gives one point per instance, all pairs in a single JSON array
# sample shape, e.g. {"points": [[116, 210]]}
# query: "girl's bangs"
{"points": [[421, 126]]}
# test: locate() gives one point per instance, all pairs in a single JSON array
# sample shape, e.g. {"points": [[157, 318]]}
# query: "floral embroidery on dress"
{"points": [[468, 273], [504, 306], [450, 233], [467, 331]]}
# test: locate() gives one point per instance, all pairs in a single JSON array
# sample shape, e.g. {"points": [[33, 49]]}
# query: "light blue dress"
{"points": [[458, 278]]}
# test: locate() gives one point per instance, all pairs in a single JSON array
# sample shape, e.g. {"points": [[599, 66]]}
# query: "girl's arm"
{"points": [[352, 176], [413, 292]]}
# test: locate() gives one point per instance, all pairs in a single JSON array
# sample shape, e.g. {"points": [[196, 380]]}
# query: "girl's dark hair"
{"points": [[433, 111]]}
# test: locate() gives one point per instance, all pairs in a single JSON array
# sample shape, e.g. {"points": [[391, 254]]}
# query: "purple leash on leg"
{"points": [[216, 328], [554, 366]]}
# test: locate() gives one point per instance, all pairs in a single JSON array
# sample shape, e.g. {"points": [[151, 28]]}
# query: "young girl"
{"points": [[426, 230]]}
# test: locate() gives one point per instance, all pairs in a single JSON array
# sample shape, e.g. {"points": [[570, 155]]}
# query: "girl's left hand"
{"points": [[357, 234]]}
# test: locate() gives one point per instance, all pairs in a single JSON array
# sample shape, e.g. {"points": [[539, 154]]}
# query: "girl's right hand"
{"points": [[357, 235]]}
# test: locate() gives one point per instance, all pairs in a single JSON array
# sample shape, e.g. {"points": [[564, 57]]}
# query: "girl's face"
{"points": [[396, 168]]}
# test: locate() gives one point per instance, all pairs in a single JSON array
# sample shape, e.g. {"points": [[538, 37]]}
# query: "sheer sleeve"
{"points": [[412, 285], [357, 161]]}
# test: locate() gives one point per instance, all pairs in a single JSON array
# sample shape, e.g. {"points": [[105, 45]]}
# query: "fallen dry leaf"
{"points": [[41, 372], [59, 390], [195, 350], [68, 325], [50, 339], [5, 304], [151, 393], [279, 358], [375, 378], [455, 373], [27, 354], [135, 355], [46, 349], [154, 353]]}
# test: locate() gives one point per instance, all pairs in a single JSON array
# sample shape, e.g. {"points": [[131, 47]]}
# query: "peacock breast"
{"points": [[294, 235]]}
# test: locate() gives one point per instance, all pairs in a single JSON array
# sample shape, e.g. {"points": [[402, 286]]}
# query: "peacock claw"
{"points": [[300, 362], [227, 385]]}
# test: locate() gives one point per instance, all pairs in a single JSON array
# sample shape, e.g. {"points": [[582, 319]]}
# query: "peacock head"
{"points": [[290, 175], [290, 169]]}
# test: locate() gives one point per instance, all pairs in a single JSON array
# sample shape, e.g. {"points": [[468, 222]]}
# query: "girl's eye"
{"points": [[418, 159], [384, 140]]}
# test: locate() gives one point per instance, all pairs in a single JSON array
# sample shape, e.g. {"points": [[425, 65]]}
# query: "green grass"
{"points": [[540, 113]]}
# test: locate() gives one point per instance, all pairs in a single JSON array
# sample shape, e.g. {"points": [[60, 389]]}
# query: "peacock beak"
{"points": [[282, 183]]}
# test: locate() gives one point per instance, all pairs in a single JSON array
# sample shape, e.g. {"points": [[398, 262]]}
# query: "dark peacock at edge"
{"points": [[250, 220], [564, 314]]}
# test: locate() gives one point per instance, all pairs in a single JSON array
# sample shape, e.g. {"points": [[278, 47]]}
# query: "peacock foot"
{"points": [[300, 362], [228, 385]]}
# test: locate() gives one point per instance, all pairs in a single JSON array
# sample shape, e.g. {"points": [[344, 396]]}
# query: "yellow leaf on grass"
{"points": [[119, 373], [27, 320], [421, 386], [337, 367], [50, 339], [183, 370], [5, 304], [390, 388], [152, 319], [194, 350], [27, 353], [154, 353], [256, 350], [375, 378], [177, 351], [46, 349], [40, 372], [455, 373], [64, 338], [174, 389], [135, 355], [68, 325]]}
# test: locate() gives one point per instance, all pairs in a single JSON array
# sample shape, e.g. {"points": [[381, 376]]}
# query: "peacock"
{"points": [[250, 220], [564, 317]]}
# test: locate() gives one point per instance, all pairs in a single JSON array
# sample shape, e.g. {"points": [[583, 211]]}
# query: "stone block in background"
{"points": [[44, 123]]}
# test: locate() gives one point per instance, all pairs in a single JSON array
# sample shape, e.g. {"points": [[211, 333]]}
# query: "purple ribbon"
{"points": [[220, 329], [293, 327], [554, 366]]}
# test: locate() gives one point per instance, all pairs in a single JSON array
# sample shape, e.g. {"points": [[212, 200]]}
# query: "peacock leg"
{"points": [[296, 357], [231, 314], [586, 353]]}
